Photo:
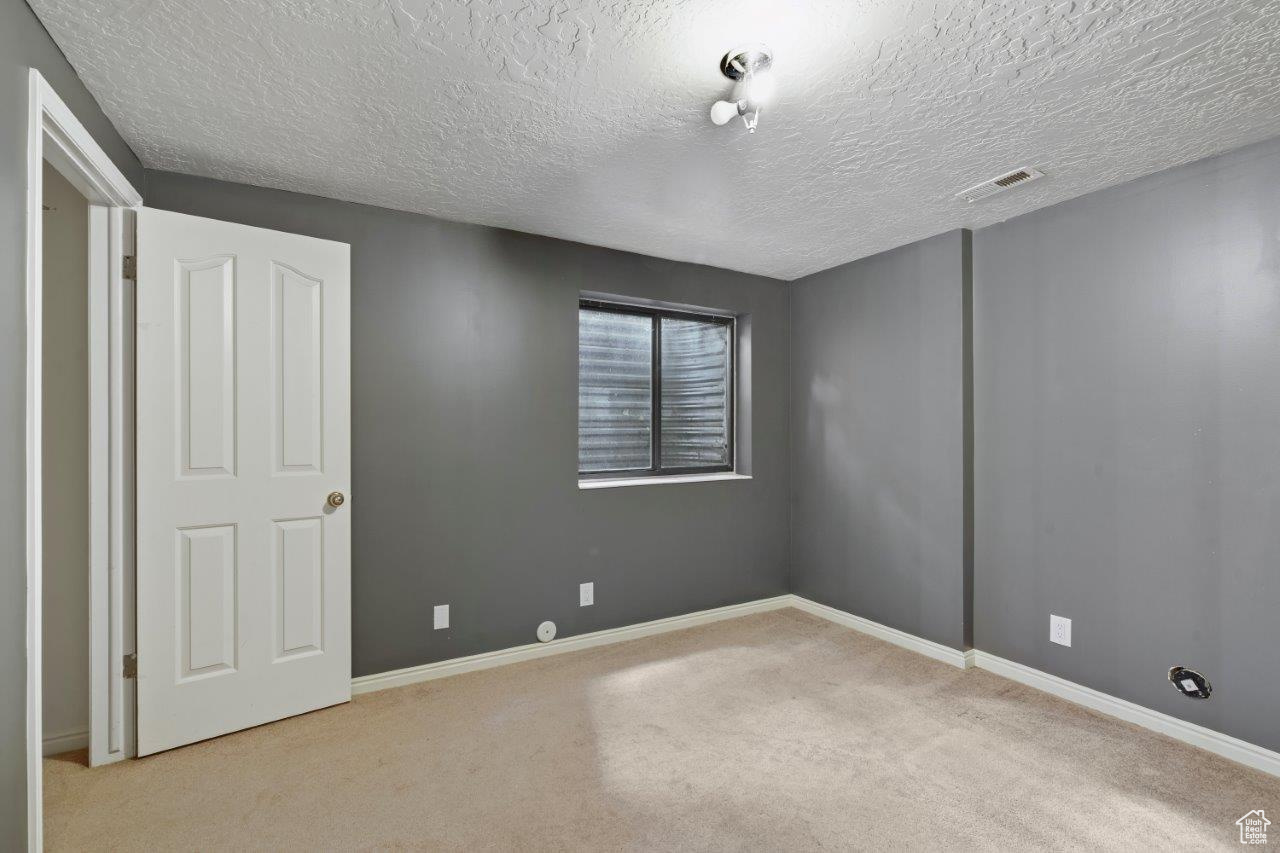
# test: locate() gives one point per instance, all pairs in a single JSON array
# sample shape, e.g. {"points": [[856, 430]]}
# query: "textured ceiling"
{"points": [[587, 119]]}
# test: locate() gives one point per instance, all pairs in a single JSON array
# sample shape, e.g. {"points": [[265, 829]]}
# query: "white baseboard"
{"points": [[65, 742], [502, 657], [1215, 742], [1199, 736], [928, 648]]}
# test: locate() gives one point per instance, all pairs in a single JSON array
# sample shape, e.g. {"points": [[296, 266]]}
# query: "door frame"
{"points": [[56, 135]]}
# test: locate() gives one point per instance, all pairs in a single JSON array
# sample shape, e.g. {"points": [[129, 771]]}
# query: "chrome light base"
{"points": [[748, 59]]}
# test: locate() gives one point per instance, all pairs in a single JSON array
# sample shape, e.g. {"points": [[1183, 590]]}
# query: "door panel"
{"points": [[243, 426], [206, 325], [299, 587], [299, 370], [206, 601]]}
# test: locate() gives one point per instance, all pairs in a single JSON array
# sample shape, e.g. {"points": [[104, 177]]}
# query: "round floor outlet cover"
{"points": [[547, 632]]}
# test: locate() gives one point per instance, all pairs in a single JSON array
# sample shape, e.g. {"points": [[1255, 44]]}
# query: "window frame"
{"points": [[657, 313]]}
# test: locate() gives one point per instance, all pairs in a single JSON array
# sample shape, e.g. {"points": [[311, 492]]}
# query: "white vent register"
{"points": [[1004, 182]]}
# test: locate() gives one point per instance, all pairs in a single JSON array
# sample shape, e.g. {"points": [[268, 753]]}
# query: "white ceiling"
{"points": [[587, 119]]}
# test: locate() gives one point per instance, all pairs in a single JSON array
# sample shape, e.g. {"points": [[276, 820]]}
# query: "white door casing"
{"points": [[243, 430], [55, 135]]}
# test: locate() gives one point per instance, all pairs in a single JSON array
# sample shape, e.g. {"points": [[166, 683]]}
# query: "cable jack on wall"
{"points": [[749, 68]]}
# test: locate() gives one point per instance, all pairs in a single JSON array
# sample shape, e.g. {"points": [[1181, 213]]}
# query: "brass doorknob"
{"points": [[336, 499]]}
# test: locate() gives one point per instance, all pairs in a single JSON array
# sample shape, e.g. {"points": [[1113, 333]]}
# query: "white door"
{"points": [[243, 431]]}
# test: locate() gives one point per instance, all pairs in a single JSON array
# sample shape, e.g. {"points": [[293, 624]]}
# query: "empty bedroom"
{"points": [[660, 425]]}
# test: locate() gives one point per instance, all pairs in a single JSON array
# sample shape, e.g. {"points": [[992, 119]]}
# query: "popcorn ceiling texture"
{"points": [[587, 119]]}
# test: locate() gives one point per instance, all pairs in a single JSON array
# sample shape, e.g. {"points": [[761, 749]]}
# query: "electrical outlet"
{"points": [[442, 616], [586, 594], [1060, 630]]}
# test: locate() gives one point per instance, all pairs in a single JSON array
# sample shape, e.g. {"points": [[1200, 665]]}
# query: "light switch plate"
{"points": [[1060, 630], [586, 594], [441, 616]]}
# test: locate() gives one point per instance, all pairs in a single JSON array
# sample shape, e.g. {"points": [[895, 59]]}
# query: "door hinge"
{"points": [[129, 267], [130, 668]]}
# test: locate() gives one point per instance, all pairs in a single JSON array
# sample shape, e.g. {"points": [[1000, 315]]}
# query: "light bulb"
{"points": [[722, 112], [758, 87], [755, 89]]}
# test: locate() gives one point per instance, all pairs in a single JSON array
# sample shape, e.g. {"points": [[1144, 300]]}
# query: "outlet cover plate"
{"points": [[1060, 630], [441, 616], [586, 594]]}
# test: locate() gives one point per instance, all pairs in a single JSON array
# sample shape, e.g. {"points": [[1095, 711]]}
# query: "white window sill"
{"points": [[671, 480]]}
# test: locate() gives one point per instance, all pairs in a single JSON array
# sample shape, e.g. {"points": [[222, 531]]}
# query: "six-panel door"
{"points": [[243, 430]]}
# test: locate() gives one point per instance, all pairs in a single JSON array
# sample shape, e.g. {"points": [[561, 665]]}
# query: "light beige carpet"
{"points": [[777, 732]]}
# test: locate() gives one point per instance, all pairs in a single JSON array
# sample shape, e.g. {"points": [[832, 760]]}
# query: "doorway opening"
{"points": [[65, 439]]}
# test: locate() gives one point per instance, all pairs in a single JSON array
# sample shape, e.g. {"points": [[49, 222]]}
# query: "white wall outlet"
{"points": [[442, 616], [586, 594], [1060, 630]]}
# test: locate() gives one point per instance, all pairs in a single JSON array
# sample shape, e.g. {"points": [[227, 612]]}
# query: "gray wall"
{"points": [[1121, 456], [464, 382], [877, 438], [1127, 349], [23, 44]]}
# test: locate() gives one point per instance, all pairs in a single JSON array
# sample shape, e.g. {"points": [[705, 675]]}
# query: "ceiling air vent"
{"points": [[1007, 181]]}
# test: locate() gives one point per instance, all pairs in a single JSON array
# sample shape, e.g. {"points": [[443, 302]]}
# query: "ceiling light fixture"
{"points": [[749, 68]]}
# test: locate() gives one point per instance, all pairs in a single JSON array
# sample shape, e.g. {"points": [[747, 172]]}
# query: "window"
{"points": [[655, 391]]}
